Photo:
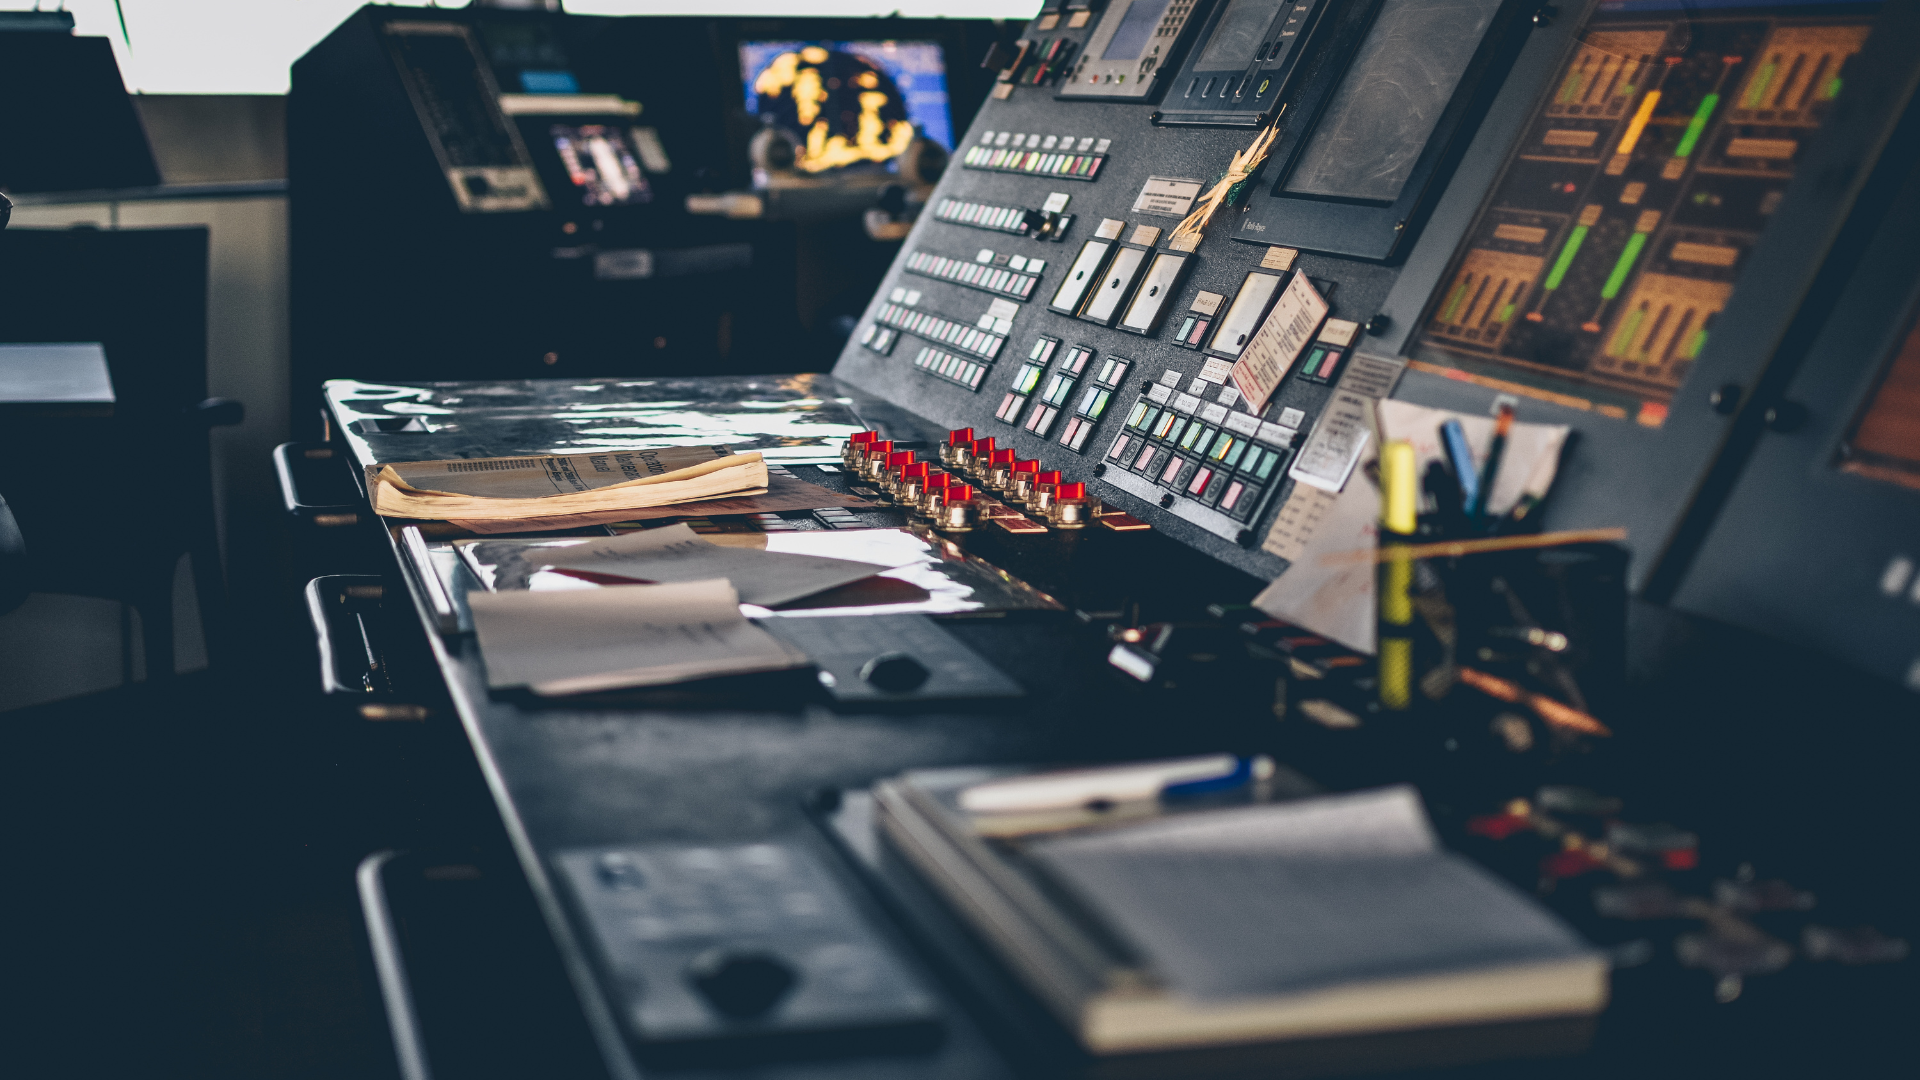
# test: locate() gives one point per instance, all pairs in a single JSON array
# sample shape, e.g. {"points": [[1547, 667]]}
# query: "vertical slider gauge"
{"points": [[1136, 43], [1150, 300], [1243, 316], [1086, 270], [1242, 64], [1116, 285]]}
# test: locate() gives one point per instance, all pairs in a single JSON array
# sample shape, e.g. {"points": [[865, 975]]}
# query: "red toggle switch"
{"points": [[1026, 466], [936, 480], [959, 436], [899, 457], [1074, 490], [1004, 457], [959, 493], [1051, 476], [983, 448], [917, 468]]}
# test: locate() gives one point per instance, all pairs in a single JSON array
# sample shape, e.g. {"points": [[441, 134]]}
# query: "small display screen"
{"points": [[848, 102], [600, 161], [1238, 34], [1136, 28], [1634, 197], [1886, 445], [1404, 74]]}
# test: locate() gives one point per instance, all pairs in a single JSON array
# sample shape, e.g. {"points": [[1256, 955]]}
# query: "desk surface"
{"points": [[567, 775], [63, 377]]}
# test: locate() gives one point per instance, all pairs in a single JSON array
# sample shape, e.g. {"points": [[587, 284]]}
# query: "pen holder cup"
{"points": [[1539, 633]]}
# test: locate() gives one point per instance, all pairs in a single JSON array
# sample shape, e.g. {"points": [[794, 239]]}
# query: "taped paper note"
{"points": [[1288, 330]]}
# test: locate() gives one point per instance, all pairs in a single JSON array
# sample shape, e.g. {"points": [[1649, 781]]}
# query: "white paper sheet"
{"points": [[677, 553], [622, 636]]}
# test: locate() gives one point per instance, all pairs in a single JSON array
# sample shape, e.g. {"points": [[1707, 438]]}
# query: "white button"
{"points": [[1898, 572]]}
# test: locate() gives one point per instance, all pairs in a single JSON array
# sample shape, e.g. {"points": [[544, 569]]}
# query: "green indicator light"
{"points": [[1833, 88], [1697, 125], [1506, 314], [1453, 302], [1570, 87], [1560, 265], [1621, 269], [1628, 326], [1699, 342], [1757, 89]]}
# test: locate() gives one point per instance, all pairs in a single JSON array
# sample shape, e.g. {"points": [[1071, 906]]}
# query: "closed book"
{"points": [[1315, 918]]}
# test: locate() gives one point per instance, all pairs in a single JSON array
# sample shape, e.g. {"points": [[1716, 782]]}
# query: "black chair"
{"points": [[109, 505]]}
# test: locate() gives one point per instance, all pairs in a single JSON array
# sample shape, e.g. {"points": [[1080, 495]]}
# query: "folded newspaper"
{"points": [[547, 485]]}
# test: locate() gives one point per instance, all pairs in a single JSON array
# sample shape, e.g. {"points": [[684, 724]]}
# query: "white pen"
{"points": [[1074, 788]]}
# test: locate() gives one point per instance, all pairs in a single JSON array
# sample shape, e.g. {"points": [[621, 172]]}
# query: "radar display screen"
{"points": [[1886, 443], [848, 103], [1628, 209], [1240, 31], [1135, 30], [600, 161], [1367, 143]]}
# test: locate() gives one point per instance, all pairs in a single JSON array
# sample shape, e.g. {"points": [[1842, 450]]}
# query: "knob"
{"points": [[895, 672], [1786, 417], [741, 985]]}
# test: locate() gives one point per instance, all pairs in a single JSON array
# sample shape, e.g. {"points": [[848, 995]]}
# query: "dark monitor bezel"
{"points": [[1372, 230], [1801, 548]]}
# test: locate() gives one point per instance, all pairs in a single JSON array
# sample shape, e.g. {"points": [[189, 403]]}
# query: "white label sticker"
{"points": [[1330, 455], [1167, 195], [1292, 418], [1003, 309], [1278, 434], [1271, 353], [1339, 331], [1216, 370], [1213, 414], [912, 297], [1159, 392], [1186, 403], [1244, 423], [1170, 377], [1208, 303], [1228, 395], [1056, 202], [1199, 386]]}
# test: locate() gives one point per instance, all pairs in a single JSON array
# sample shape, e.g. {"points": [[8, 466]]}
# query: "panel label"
{"points": [[1167, 195]]}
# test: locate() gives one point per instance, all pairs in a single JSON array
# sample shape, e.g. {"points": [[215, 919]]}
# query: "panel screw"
{"points": [[1726, 400], [1378, 324], [1166, 501]]}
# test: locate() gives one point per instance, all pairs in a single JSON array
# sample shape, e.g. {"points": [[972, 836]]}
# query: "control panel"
{"points": [[1175, 228]]}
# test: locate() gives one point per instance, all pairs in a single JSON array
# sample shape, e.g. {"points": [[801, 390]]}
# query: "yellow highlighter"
{"points": [[1398, 519]]}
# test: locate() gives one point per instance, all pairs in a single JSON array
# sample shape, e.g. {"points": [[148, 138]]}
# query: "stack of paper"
{"points": [[677, 553], [621, 636], [547, 486]]}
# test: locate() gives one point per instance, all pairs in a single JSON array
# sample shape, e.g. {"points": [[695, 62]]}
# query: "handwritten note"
{"points": [[1279, 342]]}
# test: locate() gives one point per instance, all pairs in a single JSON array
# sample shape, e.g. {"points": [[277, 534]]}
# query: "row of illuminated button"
{"points": [[934, 328], [1034, 162], [948, 366], [980, 274], [1212, 465], [1009, 219]]}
